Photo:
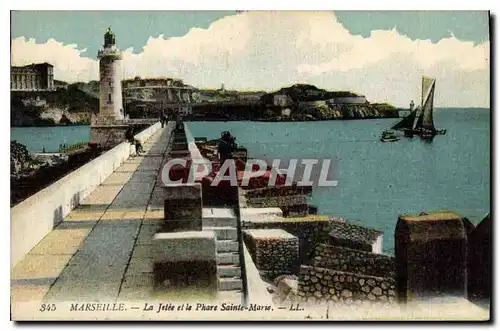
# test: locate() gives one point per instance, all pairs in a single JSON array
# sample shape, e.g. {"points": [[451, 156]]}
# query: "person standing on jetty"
{"points": [[227, 145], [130, 136], [163, 117]]}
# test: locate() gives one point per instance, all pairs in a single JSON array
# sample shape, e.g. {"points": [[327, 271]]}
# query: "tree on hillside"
{"points": [[20, 158]]}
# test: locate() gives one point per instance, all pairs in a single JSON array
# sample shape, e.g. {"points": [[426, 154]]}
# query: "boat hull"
{"points": [[424, 134], [386, 140]]}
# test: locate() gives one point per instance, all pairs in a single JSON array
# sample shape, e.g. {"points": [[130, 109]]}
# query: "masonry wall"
{"points": [[309, 232], [354, 261], [321, 284], [35, 217], [347, 234], [274, 256], [107, 136]]}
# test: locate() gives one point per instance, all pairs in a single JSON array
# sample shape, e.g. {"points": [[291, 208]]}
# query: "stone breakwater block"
{"points": [[273, 249], [430, 256], [346, 234]]}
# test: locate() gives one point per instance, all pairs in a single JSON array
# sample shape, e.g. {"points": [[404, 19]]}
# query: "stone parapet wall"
{"points": [[321, 284], [35, 217], [354, 261], [275, 251]]}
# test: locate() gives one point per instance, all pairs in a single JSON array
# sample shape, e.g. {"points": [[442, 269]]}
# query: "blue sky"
{"points": [[263, 50], [134, 28]]}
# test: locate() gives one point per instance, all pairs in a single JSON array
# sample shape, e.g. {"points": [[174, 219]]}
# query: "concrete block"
{"points": [[180, 226], [183, 209], [218, 213], [183, 191], [224, 222], [228, 271], [185, 276], [228, 258], [219, 217], [430, 254], [184, 202], [234, 297], [185, 246], [230, 284], [223, 233], [227, 246]]}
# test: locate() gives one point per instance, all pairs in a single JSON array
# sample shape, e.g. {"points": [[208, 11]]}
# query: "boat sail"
{"points": [[428, 106], [421, 120]]}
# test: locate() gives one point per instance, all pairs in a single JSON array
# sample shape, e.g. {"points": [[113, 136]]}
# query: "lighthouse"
{"points": [[110, 94], [108, 127]]}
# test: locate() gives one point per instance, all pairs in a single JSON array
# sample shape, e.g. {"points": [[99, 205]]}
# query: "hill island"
{"points": [[73, 104]]}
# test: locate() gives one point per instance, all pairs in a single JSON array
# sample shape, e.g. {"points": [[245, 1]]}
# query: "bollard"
{"points": [[183, 207], [431, 256], [479, 262]]}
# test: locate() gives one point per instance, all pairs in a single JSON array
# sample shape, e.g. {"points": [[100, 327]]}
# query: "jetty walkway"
{"points": [[101, 250]]}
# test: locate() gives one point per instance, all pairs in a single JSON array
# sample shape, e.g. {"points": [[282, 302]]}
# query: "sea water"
{"points": [[377, 180]]}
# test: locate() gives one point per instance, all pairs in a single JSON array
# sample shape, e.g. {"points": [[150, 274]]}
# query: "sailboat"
{"points": [[421, 120]]}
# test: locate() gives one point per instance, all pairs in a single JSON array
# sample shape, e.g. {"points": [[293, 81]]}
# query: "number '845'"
{"points": [[48, 307]]}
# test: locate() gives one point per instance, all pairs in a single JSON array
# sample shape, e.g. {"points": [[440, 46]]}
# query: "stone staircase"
{"points": [[223, 222]]}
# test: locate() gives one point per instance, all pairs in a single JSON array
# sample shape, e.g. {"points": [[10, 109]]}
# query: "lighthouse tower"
{"points": [[110, 96], [108, 127]]}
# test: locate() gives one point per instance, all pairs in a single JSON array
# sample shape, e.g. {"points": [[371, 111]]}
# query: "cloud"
{"points": [[68, 64], [268, 50]]}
